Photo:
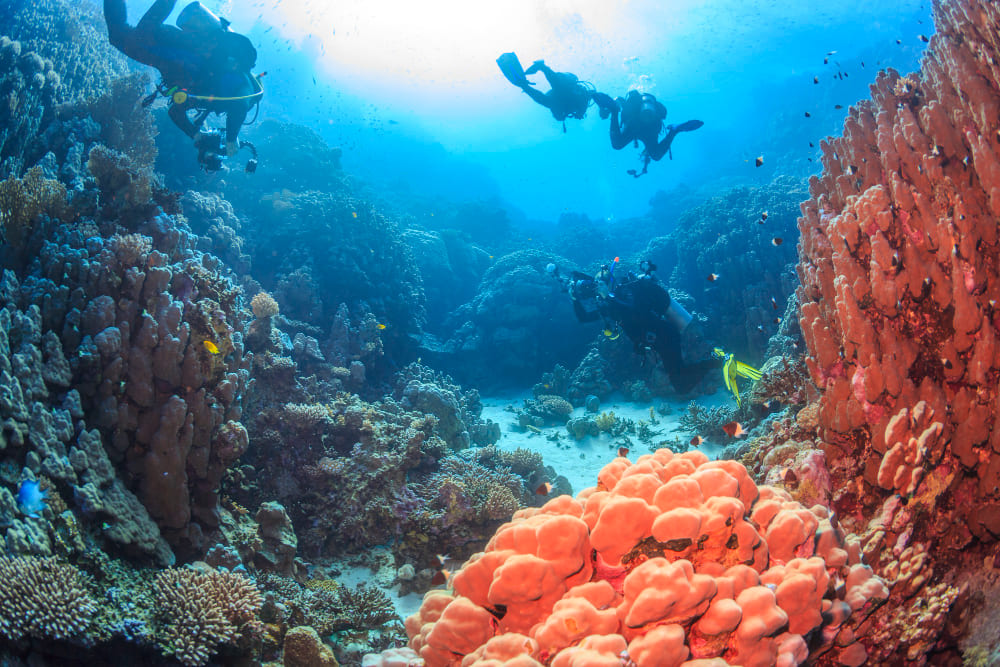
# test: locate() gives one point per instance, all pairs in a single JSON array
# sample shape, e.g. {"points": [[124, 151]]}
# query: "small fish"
{"points": [[777, 240], [733, 429], [777, 320], [697, 440], [440, 577], [543, 489], [862, 63], [354, 214], [763, 215], [808, 115], [851, 170], [442, 559], [712, 277], [812, 145], [815, 79], [923, 38], [946, 362], [380, 326], [826, 61], [838, 106], [623, 452], [759, 161], [31, 498], [760, 327], [211, 347], [899, 41], [831, 53], [774, 303]]}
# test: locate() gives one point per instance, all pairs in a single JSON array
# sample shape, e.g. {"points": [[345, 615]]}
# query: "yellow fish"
{"points": [[211, 347], [354, 213], [380, 326]]}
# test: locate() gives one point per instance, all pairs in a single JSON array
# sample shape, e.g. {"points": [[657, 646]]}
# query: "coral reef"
{"points": [[668, 556], [43, 598], [200, 611], [898, 296], [28, 93], [516, 327]]}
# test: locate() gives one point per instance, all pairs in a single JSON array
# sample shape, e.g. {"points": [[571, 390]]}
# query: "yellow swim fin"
{"points": [[731, 369]]}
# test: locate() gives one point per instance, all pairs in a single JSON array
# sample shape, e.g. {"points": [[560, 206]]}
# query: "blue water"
{"points": [[412, 94]]}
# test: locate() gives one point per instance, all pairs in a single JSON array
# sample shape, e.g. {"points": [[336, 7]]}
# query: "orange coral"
{"points": [[672, 556]]}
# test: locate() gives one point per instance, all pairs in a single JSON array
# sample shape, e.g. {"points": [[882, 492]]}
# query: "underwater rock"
{"points": [[275, 530], [592, 403]]}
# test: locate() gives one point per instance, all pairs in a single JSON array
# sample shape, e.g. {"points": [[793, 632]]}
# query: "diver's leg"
{"points": [[537, 95], [116, 17], [618, 140], [658, 149], [156, 15]]}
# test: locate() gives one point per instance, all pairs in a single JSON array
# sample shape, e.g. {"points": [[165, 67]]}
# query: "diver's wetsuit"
{"points": [[216, 63], [567, 97], [641, 119], [639, 306]]}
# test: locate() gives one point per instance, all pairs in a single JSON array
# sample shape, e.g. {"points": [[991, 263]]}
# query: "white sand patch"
{"points": [[580, 460]]}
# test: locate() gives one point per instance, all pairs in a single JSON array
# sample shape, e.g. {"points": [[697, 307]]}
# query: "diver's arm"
{"points": [[234, 122], [178, 114], [582, 315]]}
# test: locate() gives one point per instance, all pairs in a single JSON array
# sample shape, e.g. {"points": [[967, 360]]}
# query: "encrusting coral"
{"points": [[671, 556]]}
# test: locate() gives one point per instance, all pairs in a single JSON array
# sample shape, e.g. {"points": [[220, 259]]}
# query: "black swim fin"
{"points": [[511, 68], [689, 126]]}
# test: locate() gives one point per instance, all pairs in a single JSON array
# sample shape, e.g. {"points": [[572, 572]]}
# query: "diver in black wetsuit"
{"points": [[641, 120], [204, 66], [639, 306], [567, 97]]}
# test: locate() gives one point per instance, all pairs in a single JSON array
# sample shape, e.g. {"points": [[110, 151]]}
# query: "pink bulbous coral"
{"points": [[671, 556]]}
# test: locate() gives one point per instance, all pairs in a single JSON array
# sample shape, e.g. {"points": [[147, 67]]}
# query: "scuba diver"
{"points": [[204, 66], [642, 117], [567, 97], [640, 306]]}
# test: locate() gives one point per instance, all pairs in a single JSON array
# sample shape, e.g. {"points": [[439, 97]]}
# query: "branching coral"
{"points": [[22, 200], [43, 598], [200, 611]]}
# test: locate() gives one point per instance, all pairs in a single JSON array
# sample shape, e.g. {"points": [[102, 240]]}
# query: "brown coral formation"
{"points": [[899, 254]]}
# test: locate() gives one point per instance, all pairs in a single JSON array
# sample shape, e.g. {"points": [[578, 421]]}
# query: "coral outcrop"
{"points": [[671, 556], [899, 258]]}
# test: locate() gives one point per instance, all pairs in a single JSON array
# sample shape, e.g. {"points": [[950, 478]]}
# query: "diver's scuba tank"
{"points": [[677, 316], [196, 18]]}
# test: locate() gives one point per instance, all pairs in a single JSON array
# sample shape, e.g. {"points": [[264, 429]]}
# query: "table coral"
{"points": [[671, 555]]}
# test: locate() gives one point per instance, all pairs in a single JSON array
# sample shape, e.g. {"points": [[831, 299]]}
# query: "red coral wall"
{"points": [[899, 268]]}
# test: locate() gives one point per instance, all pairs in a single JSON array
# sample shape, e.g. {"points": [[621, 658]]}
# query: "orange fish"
{"points": [[712, 277], [697, 440], [211, 347], [733, 429], [777, 240], [543, 489], [763, 215], [442, 559], [759, 161], [623, 452]]}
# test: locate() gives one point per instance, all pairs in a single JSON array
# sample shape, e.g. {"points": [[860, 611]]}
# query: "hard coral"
{"points": [[898, 259], [263, 305], [43, 598], [199, 611], [670, 555]]}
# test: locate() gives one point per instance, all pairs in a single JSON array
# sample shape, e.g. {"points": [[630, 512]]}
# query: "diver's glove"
{"points": [[731, 369]]}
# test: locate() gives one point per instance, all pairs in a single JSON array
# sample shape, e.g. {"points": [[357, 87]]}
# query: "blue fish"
{"points": [[31, 498]]}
